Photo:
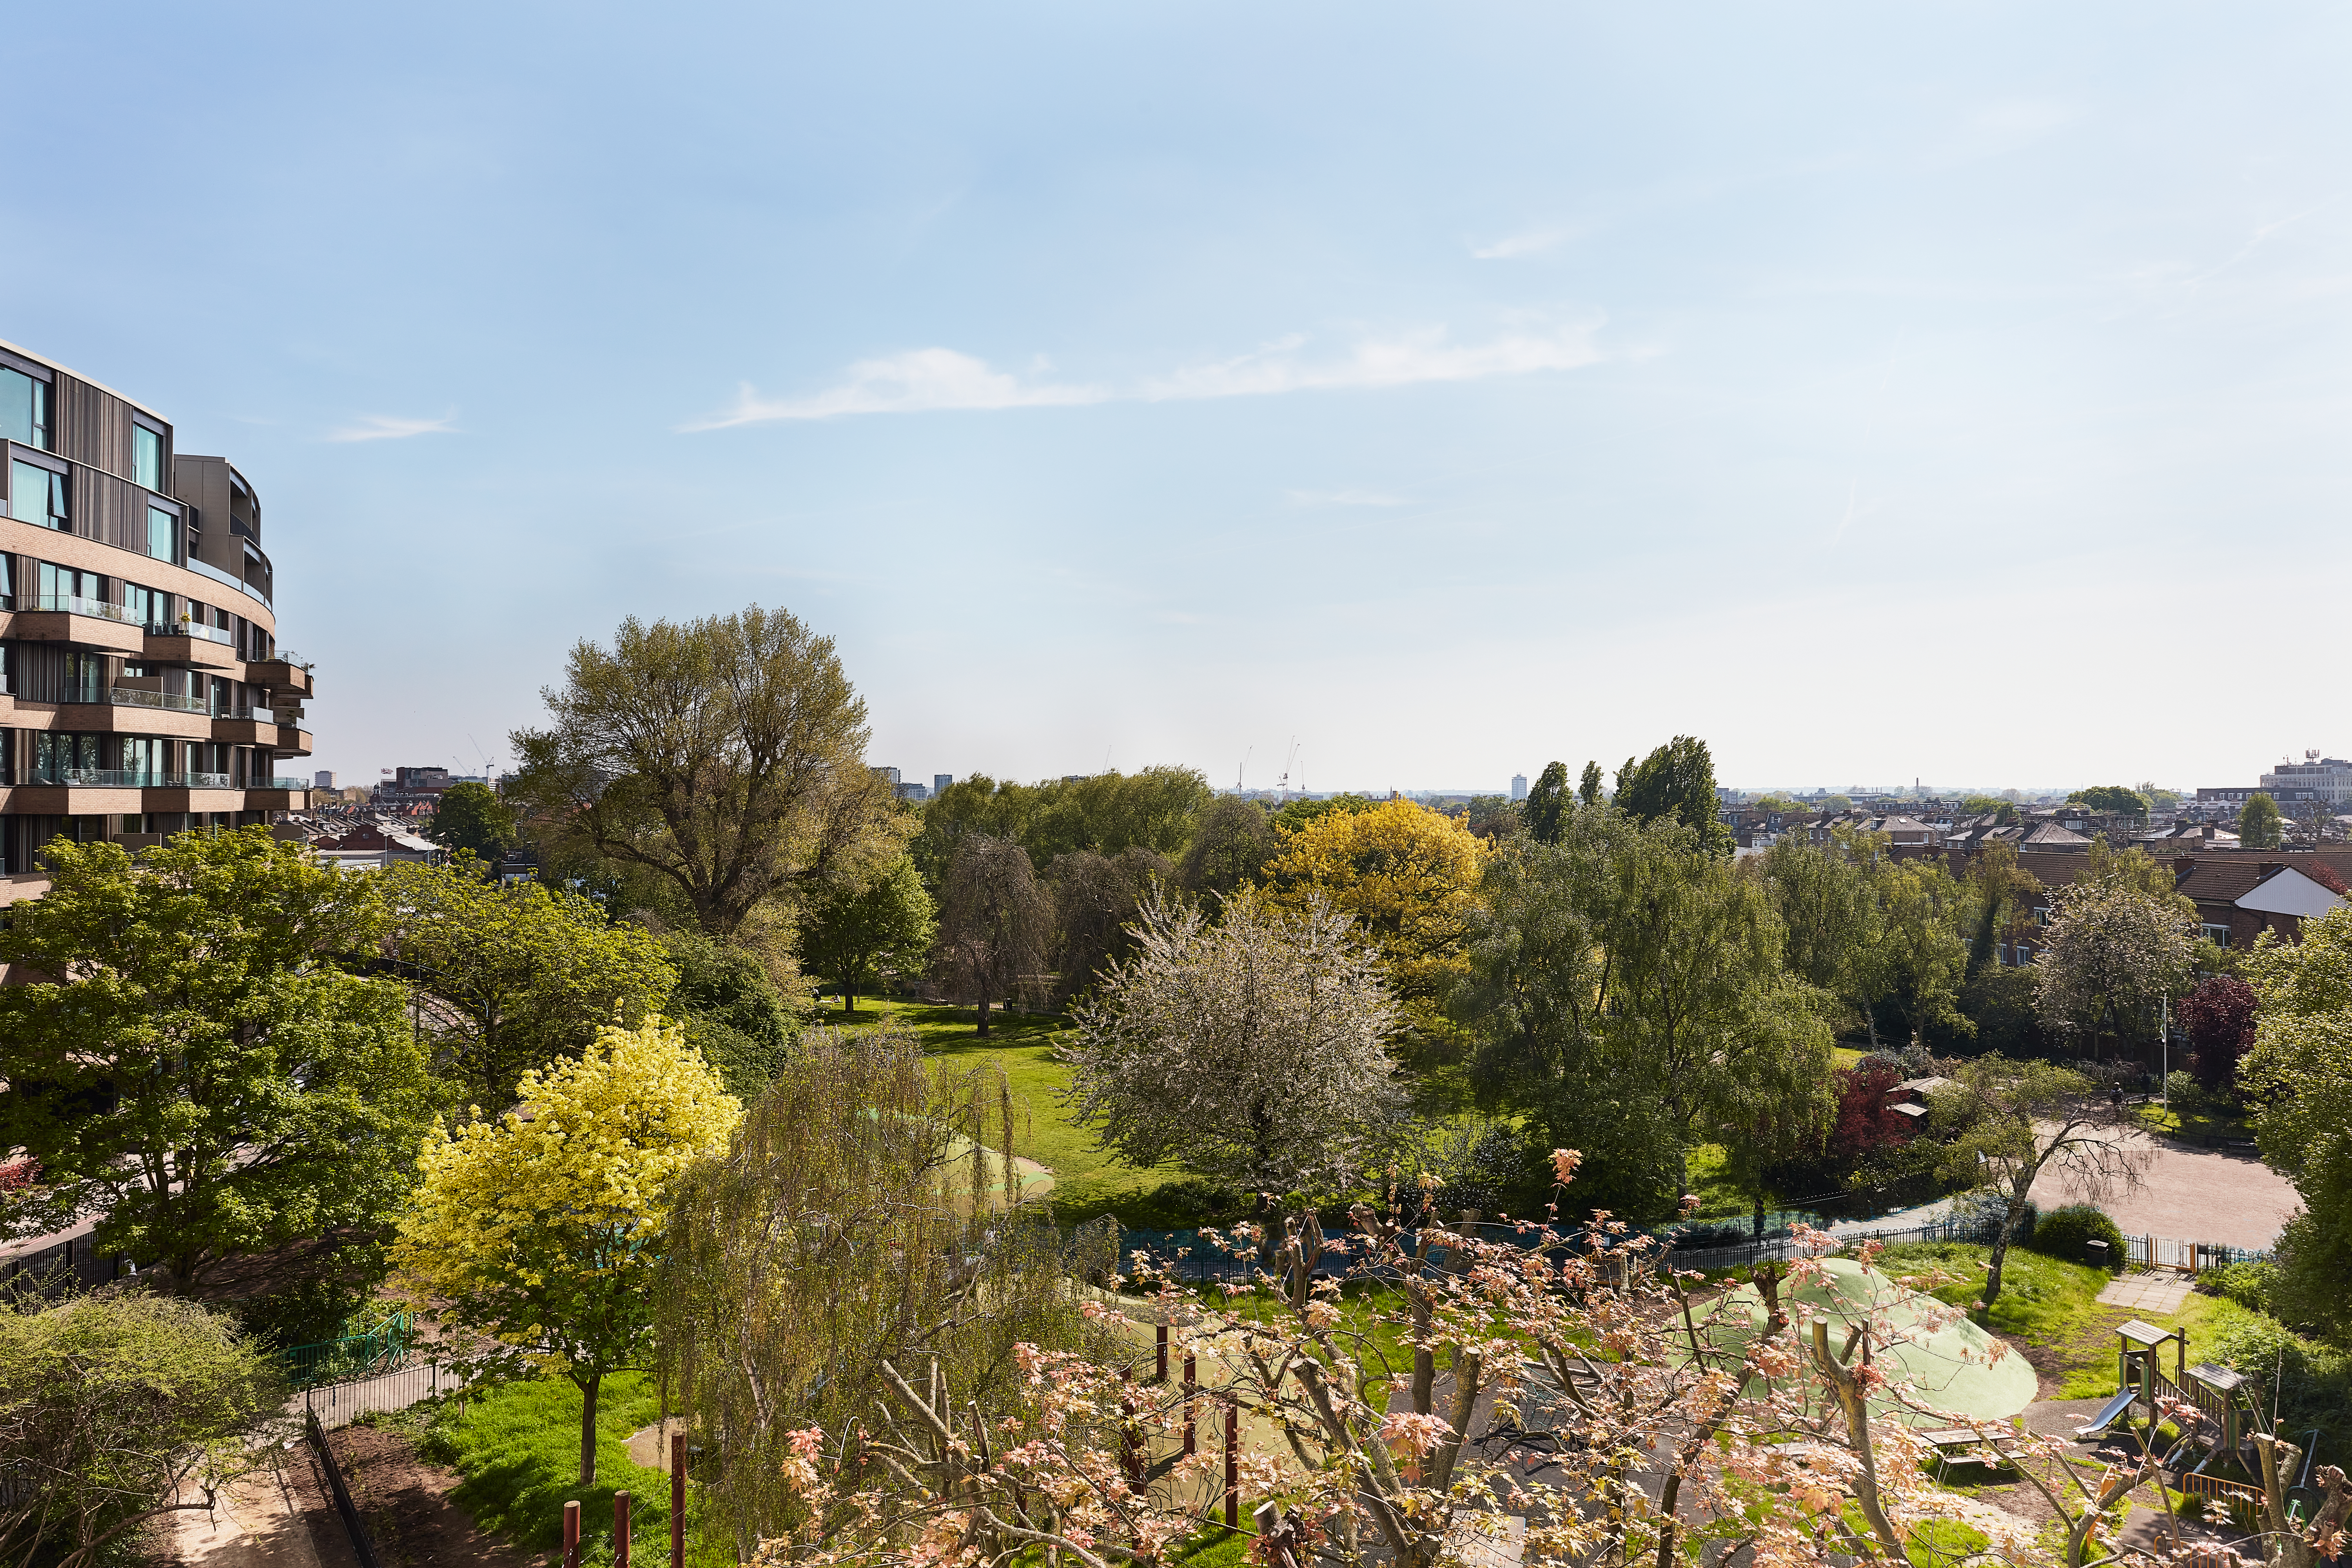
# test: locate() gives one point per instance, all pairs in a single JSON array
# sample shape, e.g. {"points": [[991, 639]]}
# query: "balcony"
{"points": [[125, 778], [123, 697], [191, 629], [281, 783]]}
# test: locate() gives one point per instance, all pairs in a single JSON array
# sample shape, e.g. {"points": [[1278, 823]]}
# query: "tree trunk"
{"points": [[2016, 1206], [588, 1427], [849, 997], [1759, 1216], [983, 1012]]}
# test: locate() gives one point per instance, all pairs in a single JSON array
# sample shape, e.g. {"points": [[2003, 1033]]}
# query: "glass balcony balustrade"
{"points": [[126, 778]]}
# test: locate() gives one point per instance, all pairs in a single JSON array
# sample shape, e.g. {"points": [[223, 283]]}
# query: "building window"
{"points": [[2218, 935], [162, 533], [147, 456], [23, 408], [38, 495], [66, 589]]}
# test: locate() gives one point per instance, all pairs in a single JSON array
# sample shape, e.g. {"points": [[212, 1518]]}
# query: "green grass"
{"points": [[1847, 1056], [518, 1446], [1087, 1181]]}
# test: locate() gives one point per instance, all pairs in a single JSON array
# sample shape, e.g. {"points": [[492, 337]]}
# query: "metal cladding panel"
{"points": [[93, 425]]}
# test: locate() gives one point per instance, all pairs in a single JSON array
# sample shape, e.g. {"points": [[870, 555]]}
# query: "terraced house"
{"points": [[143, 691]]}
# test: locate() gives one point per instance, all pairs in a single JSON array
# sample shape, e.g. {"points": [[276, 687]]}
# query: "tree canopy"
{"points": [[2119, 799], [849, 934], [197, 1071], [2111, 954], [541, 1230], [114, 1411], [2298, 1075], [1155, 808], [1545, 809], [1676, 781], [1253, 1051], [2260, 826], [1630, 993], [1230, 847], [522, 974], [471, 817], [995, 922], [725, 757], [1408, 877]]}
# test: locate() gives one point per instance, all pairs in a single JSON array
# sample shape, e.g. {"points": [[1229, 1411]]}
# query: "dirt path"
{"points": [[263, 1522], [405, 1501]]}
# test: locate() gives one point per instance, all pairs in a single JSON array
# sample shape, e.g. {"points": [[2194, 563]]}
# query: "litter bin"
{"points": [[2096, 1252]]}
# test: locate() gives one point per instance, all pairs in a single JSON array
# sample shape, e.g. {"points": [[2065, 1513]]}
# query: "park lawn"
{"points": [[1087, 1181], [2197, 1126], [518, 1446], [2054, 1306], [1846, 1056], [1709, 1168]]}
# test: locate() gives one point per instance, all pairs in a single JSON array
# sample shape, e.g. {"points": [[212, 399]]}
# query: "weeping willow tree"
{"points": [[865, 1236]]}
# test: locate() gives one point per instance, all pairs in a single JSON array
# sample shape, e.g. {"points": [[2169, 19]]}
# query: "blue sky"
{"points": [[1949, 392]]}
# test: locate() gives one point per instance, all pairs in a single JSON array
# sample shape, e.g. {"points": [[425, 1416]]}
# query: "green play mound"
{"points": [[1035, 1180], [1951, 1368]]}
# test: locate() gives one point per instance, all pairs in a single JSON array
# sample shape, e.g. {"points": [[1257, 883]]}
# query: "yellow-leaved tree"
{"points": [[543, 1229], [1408, 877]]}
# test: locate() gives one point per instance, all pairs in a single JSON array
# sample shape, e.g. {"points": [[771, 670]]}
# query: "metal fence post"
{"points": [[572, 1534], [620, 1530]]}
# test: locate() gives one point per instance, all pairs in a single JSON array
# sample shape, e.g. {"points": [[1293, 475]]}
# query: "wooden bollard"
{"points": [[1232, 1464], [1191, 1392], [1163, 1353], [571, 1535], [620, 1530], [677, 1500]]}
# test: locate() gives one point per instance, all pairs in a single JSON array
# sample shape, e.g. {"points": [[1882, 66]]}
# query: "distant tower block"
{"points": [[1518, 786], [939, 782]]}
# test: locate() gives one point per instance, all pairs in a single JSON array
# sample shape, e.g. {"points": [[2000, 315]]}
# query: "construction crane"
{"points": [[1283, 789], [1243, 771]]}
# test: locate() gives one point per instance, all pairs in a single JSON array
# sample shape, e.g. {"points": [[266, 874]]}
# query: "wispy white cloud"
{"points": [[1534, 243], [1343, 498], [922, 380], [911, 383], [393, 428]]}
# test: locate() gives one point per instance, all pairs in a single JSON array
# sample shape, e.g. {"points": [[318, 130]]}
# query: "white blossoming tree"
{"points": [[1253, 1050]]}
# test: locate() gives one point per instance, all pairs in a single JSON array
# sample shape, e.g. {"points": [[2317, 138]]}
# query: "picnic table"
{"points": [[1964, 1445]]}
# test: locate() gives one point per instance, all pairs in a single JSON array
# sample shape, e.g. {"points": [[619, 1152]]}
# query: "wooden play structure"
{"points": [[2228, 1406]]}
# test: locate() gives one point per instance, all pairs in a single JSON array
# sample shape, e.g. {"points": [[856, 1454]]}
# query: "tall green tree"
{"points": [[1676, 782], [2111, 955], [2299, 1077], [517, 975], [725, 757], [196, 1070], [1631, 991], [471, 817], [1587, 787], [1548, 803], [850, 934], [2259, 827]]}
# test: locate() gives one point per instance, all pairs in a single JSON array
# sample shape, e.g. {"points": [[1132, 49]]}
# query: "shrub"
{"points": [[2247, 1284], [2218, 1018], [2064, 1233], [2314, 1381]]}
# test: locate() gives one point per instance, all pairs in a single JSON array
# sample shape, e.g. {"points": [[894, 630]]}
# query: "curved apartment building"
{"points": [[143, 691]]}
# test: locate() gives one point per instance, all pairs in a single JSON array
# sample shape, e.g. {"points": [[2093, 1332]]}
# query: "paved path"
{"points": [[2192, 1195], [2158, 1292], [256, 1524]]}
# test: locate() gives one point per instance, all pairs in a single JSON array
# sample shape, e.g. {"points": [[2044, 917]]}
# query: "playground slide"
{"points": [[2105, 1419]]}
